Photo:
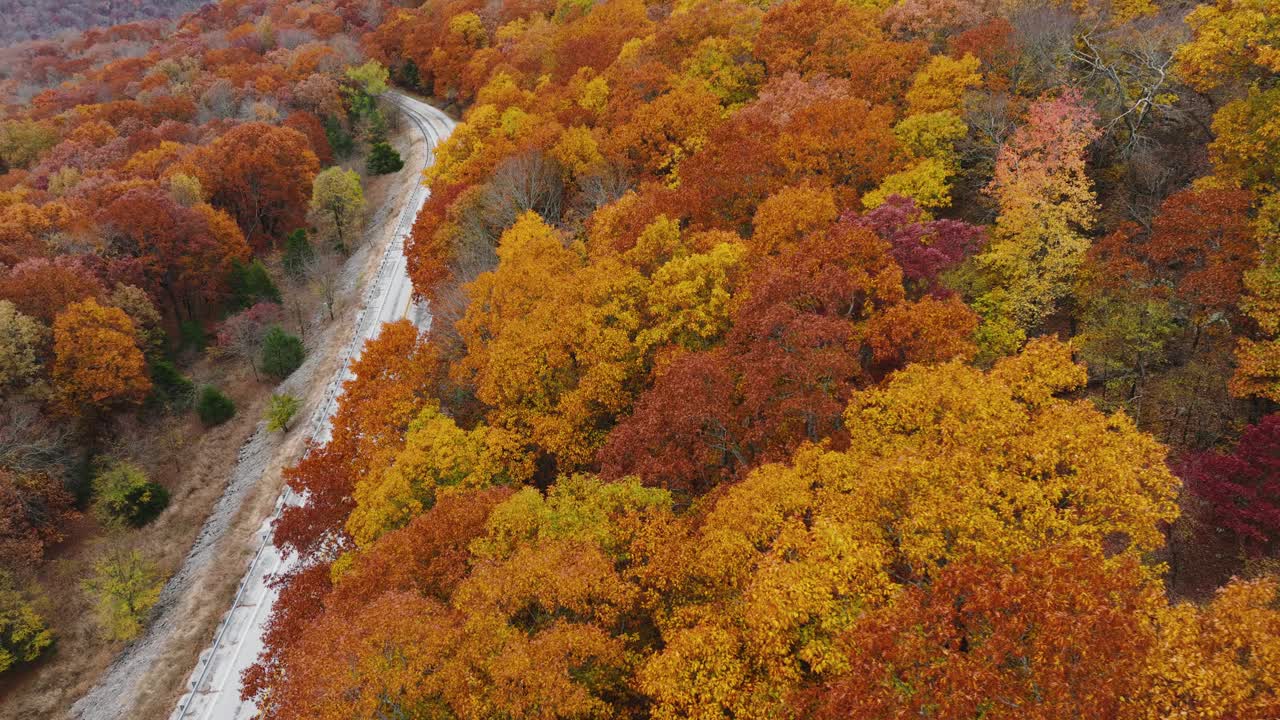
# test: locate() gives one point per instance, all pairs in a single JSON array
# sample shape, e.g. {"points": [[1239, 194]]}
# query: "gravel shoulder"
{"points": [[147, 677]]}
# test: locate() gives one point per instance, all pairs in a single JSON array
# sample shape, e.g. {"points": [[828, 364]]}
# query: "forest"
{"points": [[37, 19], [795, 359]]}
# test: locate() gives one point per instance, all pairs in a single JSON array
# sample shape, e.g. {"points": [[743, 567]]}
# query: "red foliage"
{"points": [[262, 175], [41, 288], [34, 512], [1001, 642], [394, 376], [1241, 489], [923, 248]]}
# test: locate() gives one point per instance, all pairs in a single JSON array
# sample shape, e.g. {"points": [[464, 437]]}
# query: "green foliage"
{"points": [[578, 506], [297, 253], [281, 411], [124, 497], [370, 78], [214, 407], [339, 139], [409, 75], [282, 353], [23, 635], [383, 159], [192, 335], [125, 586], [375, 128], [169, 387], [251, 284]]}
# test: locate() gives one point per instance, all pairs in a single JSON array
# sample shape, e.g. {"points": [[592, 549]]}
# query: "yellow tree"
{"points": [[97, 363], [1217, 662], [437, 455], [943, 463], [1046, 207]]}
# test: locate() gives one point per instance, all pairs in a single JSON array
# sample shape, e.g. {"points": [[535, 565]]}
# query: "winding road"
{"points": [[213, 692]]}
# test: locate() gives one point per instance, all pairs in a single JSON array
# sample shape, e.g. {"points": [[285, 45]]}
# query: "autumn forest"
{"points": [[785, 359]]}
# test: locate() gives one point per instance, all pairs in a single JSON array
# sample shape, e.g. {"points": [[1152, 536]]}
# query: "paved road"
{"points": [[214, 688]]}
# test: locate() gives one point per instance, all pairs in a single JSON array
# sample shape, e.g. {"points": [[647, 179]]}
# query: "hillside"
{"points": [[798, 359], [38, 19]]}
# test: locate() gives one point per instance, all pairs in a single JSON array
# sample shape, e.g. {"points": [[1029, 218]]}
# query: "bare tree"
{"points": [[323, 272]]}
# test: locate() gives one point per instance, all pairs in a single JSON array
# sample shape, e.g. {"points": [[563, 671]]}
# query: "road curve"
{"points": [[213, 691]]}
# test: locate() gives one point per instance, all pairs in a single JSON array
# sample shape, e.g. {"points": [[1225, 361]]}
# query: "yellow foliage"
{"points": [[942, 83], [577, 152], [595, 95], [931, 135], [1220, 662], [1232, 40], [790, 214], [926, 182], [437, 456]]}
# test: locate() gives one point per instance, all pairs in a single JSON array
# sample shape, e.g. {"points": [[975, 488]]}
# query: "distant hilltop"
{"points": [[35, 19]]}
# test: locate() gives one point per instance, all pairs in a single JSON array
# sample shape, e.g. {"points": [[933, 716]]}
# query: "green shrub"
{"points": [[297, 253], [192, 335], [125, 586], [23, 635], [383, 159], [409, 75], [251, 284], [281, 411], [282, 353], [123, 496], [213, 407], [339, 139], [170, 387]]}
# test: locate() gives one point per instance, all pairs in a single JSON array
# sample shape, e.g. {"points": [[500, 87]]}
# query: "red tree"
{"points": [[1241, 489], [262, 175], [41, 288]]}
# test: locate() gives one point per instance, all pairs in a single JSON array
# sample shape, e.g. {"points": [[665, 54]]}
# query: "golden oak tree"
{"points": [[97, 364]]}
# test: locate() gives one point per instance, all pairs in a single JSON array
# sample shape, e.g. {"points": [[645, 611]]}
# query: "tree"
{"points": [[1241, 489], [1233, 41], [23, 141], [123, 496], [169, 386], [985, 640], [383, 159], [40, 288], [23, 635], [943, 466], [820, 319], [35, 510], [135, 303], [214, 407], [395, 374], [1214, 662], [923, 248], [1243, 151], [337, 207], [437, 457], [97, 365], [180, 254], [22, 341], [262, 175], [280, 412], [297, 253], [369, 78], [242, 335], [124, 586], [282, 353], [252, 284], [1046, 205]]}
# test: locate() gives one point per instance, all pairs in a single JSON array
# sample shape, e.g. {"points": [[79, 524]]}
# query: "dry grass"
{"points": [[194, 464]]}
